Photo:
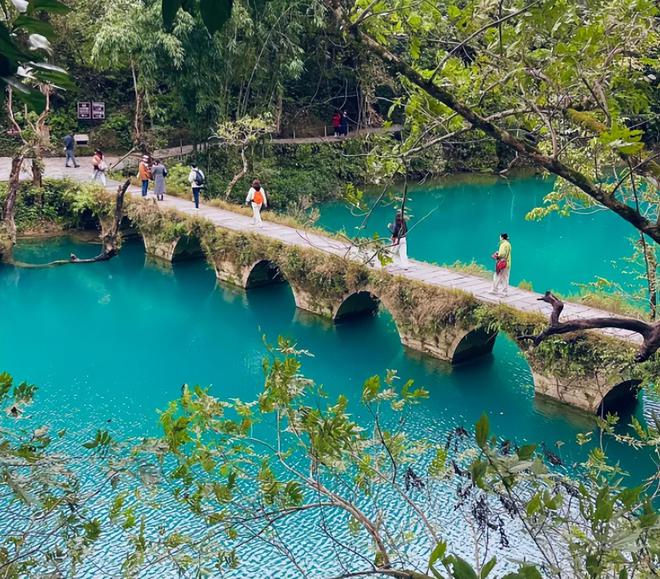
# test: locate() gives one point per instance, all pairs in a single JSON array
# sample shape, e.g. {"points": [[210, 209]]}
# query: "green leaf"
{"points": [[215, 13], [5, 385], [92, 530], [35, 25], [604, 506], [461, 569], [370, 388], [487, 568], [629, 497], [482, 429], [34, 99], [525, 572], [534, 505], [438, 552], [526, 452]]}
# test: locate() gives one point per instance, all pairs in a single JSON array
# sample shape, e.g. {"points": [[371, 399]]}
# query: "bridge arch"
{"points": [[187, 247], [622, 398], [356, 305], [471, 343], [262, 272]]}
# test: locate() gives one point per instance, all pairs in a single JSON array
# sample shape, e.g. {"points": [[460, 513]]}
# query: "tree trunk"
{"points": [[138, 121], [238, 175], [37, 172], [650, 265], [279, 111], [9, 208], [649, 331]]}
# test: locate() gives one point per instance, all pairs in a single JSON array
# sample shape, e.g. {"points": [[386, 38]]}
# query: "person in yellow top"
{"points": [[502, 265]]}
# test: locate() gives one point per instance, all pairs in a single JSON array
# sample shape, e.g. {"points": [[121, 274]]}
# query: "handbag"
{"points": [[500, 265]]}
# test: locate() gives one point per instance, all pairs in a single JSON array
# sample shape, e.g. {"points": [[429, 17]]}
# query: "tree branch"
{"points": [[649, 331]]}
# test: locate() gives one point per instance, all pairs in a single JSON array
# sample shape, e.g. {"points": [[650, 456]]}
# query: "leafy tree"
{"points": [[242, 134], [253, 466], [25, 48], [557, 83], [128, 32]]}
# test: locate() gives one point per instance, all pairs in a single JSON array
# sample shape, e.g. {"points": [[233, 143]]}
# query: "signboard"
{"points": [[98, 111], [91, 111], [84, 110]]}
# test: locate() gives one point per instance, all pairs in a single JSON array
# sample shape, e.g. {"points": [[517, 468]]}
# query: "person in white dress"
{"points": [[257, 198]]}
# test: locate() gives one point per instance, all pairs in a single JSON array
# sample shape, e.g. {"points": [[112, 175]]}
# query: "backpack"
{"points": [[199, 178], [258, 197]]}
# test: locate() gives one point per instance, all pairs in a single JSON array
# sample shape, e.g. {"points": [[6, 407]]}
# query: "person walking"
{"points": [[100, 167], [399, 239], [336, 122], [69, 149], [144, 174], [196, 178], [343, 124], [158, 174], [502, 259], [257, 198]]}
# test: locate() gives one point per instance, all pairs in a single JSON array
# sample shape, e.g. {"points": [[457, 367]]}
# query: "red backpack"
{"points": [[258, 197]]}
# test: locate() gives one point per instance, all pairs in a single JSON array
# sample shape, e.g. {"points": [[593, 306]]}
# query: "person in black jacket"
{"points": [[69, 148]]}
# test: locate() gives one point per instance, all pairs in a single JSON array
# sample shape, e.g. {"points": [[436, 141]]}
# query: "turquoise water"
{"points": [[461, 218], [110, 343]]}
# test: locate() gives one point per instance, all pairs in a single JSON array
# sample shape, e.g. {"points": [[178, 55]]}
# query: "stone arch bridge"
{"points": [[442, 313]]}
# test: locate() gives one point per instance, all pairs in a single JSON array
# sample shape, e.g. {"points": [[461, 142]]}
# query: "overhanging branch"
{"points": [[650, 332]]}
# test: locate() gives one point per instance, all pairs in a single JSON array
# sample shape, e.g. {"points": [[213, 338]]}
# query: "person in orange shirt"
{"points": [[144, 173], [257, 198]]}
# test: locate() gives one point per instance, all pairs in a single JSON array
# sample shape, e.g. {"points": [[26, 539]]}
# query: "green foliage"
{"points": [[480, 71], [24, 33], [60, 205]]}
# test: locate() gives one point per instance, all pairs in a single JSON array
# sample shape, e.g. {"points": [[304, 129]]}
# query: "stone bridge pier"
{"points": [[179, 249], [453, 343], [595, 392]]}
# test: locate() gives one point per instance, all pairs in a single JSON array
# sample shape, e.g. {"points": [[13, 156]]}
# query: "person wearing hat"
{"points": [[257, 198], [144, 174]]}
